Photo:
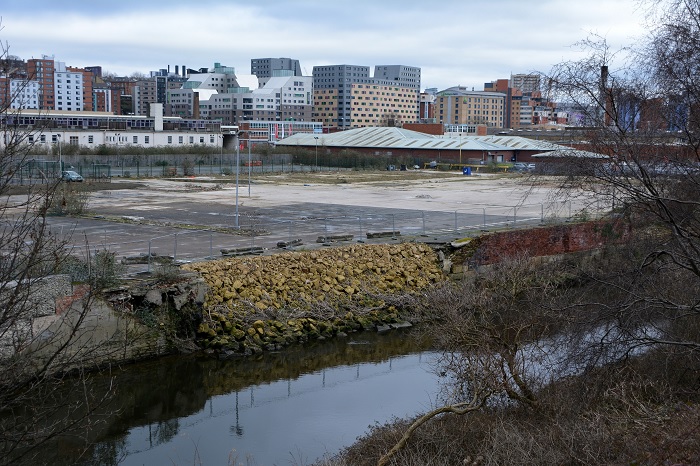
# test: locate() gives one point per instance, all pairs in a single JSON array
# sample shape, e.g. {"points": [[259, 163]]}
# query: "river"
{"points": [[290, 407]]}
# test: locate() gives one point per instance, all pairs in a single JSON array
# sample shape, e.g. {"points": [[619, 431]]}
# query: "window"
{"points": [[146, 139], [170, 139], [179, 139], [91, 139], [136, 139]]}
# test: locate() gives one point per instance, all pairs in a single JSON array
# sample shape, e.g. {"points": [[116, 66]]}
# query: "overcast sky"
{"points": [[454, 42]]}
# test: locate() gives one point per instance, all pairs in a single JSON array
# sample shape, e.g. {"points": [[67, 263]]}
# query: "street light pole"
{"points": [[60, 156], [238, 158], [460, 149], [316, 138], [249, 163]]}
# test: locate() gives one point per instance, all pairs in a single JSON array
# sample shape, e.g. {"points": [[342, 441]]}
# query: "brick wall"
{"points": [[547, 241]]}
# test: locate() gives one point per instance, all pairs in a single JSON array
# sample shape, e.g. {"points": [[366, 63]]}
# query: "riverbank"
{"points": [[268, 302]]}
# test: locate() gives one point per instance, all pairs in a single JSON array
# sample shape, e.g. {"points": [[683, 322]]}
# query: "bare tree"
{"points": [[644, 104], [35, 362]]}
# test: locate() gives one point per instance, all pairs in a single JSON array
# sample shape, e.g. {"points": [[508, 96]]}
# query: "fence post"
{"points": [[175, 249], [515, 215], [456, 221], [149, 256], [211, 245], [542, 213], [393, 226], [484, 209], [360, 219], [422, 213]]}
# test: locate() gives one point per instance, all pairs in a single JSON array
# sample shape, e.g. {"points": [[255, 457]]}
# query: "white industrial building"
{"points": [[93, 129]]}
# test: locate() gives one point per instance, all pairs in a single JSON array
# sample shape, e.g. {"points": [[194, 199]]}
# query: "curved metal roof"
{"points": [[398, 138]]}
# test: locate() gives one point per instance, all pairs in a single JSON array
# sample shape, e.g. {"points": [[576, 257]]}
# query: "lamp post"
{"points": [[221, 157], [249, 162], [238, 158], [460, 150], [316, 138], [60, 156]]}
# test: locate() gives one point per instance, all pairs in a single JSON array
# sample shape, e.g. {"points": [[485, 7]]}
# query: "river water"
{"points": [[282, 408]]}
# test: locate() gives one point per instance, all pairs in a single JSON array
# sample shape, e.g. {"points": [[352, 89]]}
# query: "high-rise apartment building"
{"points": [[346, 96], [42, 71], [88, 81], [18, 93]]}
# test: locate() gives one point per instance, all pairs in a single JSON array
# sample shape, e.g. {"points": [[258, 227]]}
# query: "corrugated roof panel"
{"points": [[397, 138]]}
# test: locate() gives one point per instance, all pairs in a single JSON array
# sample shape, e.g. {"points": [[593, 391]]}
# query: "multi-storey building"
{"points": [[42, 71], [215, 94], [19, 93], [145, 94], [184, 101], [457, 105], [265, 68], [282, 98], [341, 103], [155, 88], [526, 83], [524, 104], [88, 81], [60, 87], [102, 98], [122, 91]]}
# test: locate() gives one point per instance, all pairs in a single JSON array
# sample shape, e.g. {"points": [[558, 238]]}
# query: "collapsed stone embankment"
{"points": [[267, 302]]}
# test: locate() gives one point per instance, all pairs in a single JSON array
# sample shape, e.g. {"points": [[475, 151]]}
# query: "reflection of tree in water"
{"points": [[108, 453], [163, 431], [238, 428]]}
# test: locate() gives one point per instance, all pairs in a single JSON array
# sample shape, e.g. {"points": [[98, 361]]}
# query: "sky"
{"points": [[454, 42]]}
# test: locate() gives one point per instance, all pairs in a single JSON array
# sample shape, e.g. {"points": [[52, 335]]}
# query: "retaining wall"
{"points": [[547, 240]]}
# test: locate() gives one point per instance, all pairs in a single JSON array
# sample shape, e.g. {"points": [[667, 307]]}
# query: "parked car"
{"points": [[519, 167], [70, 175]]}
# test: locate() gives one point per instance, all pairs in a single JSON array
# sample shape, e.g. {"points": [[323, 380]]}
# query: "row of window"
{"points": [[120, 139]]}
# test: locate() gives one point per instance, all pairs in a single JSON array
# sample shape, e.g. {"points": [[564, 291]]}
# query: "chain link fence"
{"points": [[146, 246]]}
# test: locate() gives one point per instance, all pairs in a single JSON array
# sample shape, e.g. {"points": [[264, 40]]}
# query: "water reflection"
{"points": [[276, 408]]}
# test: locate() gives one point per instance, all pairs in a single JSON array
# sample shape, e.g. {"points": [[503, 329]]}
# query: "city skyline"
{"points": [[455, 43]]}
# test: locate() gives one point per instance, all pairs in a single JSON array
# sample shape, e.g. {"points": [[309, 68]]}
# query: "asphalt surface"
{"points": [[193, 219]]}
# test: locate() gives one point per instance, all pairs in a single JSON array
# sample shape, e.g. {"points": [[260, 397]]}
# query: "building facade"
{"points": [[282, 98], [459, 106], [92, 129], [346, 96], [266, 68], [42, 71], [19, 93]]}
